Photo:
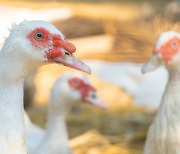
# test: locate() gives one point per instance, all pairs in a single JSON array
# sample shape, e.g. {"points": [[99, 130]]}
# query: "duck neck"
{"points": [[56, 137], [171, 99], [174, 76], [13, 70], [57, 131], [12, 134]]}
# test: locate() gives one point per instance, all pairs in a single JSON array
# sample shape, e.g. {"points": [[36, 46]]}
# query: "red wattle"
{"points": [[54, 53], [58, 42], [70, 47]]}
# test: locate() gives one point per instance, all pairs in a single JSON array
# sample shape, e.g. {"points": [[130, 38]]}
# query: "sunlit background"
{"points": [[114, 38]]}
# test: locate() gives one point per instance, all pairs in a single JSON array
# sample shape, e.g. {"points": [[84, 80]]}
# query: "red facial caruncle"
{"points": [[81, 86], [51, 43], [169, 49]]}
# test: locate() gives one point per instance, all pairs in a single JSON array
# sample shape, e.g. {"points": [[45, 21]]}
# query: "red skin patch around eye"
{"points": [[53, 43], [167, 51], [44, 42], [80, 85]]}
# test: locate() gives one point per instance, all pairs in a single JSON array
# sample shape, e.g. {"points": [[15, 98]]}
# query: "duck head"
{"points": [[38, 42], [165, 52]]}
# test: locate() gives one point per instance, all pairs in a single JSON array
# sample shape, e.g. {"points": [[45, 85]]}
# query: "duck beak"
{"points": [[62, 53], [96, 101], [69, 60], [153, 63]]}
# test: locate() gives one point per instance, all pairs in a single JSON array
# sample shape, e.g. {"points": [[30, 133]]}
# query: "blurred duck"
{"points": [[29, 45], [69, 89], [164, 133]]}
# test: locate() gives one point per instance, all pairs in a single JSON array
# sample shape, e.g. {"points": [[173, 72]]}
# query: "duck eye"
{"points": [[39, 36], [174, 44], [76, 82]]}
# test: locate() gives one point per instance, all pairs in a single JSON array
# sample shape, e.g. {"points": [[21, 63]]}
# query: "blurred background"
{"points": [[114, 38]]}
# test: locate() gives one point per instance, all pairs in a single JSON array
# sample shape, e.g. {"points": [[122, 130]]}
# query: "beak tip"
{"points": [[87, 69], [148, 68], [103, 105]]}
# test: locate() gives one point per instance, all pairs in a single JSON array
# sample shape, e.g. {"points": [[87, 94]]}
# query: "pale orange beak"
{"points": [[153, 63], [95, 101], [62, 53], [69, 60]]}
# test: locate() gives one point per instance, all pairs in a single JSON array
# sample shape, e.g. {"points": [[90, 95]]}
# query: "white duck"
{"points": [[164, 133], [29, 45], [71, 88]]}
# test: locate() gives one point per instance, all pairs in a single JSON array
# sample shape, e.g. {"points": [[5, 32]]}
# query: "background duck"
{"points": [[164, 133], [69, 89]]}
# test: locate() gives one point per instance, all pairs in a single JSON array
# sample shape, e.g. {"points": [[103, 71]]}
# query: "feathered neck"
{"points": [[171, 95], [12, 140], [163, 134], [13, 70], [56, 137]]}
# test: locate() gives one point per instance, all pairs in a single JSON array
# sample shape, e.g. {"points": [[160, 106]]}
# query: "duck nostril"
{"points": [[66, 53]]}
